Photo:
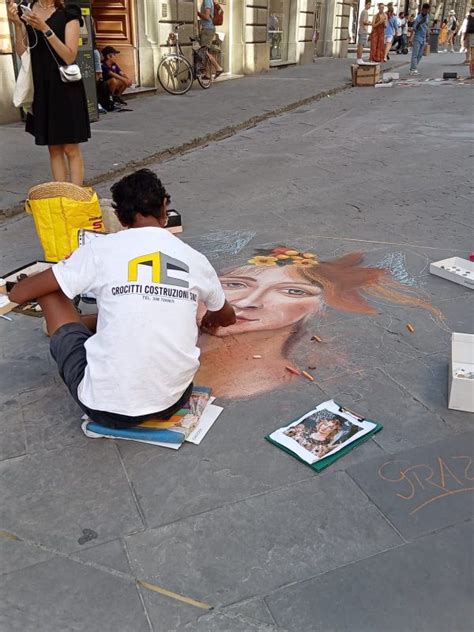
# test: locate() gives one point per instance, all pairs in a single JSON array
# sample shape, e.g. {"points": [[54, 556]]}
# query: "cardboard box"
{"points": [[365, 74], [12, 277], [455, 269], [461, 373]]}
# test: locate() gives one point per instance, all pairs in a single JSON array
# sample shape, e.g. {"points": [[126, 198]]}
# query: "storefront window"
{"points": [[278, 23]]}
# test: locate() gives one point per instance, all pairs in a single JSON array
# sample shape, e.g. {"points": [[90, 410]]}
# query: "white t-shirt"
{"points": [[363, 18], [148, 284]]}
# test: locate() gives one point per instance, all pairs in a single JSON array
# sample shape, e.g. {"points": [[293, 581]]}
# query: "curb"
{"points": [[195, 143], [200, 141]]}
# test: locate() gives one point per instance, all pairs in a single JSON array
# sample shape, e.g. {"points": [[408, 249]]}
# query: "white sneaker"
{"points": [[414, 72]]}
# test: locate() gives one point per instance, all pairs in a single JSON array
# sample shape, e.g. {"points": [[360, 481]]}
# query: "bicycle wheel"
{"points": [[204, 75], [175, 74]]}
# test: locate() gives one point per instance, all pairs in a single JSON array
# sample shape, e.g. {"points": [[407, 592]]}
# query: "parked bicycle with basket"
{"points": [[176, 74]]}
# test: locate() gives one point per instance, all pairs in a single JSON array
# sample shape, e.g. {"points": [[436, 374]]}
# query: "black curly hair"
{"points": [[140, 192]]}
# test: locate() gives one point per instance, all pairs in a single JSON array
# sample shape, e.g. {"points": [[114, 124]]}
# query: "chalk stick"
{"points": [[256, 357], [293, 370], [308, 376], [316, 338], [410, 328]]}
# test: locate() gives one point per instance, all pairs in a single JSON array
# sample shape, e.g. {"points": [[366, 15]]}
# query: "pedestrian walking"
{"points": [[469, 36], [400, 40], [59, 116], [452, 30], [377, 39], [420, 33], [363, 33], [410, 22], [443, 34], [389, 32], [462, 34]]}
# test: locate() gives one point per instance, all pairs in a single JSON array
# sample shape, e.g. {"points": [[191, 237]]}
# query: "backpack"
{"points": [[218, 16], [104, 96]]}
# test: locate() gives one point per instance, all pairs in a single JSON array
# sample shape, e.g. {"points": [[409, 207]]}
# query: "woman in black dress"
{"points": [[59, 116]]}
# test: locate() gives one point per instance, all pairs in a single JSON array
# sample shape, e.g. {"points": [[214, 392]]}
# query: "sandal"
{"points": [[218, 73]]}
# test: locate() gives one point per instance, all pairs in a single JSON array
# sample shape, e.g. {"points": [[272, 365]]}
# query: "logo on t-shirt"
{"points": [[159, 283], [160, 265]]}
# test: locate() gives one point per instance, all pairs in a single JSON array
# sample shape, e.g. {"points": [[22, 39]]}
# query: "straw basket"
{"points": [[60, 189]]}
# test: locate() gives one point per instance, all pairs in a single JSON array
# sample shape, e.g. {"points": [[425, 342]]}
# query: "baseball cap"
{"points": [[109, 50]]}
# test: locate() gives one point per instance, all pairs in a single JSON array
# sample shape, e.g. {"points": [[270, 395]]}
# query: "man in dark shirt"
{"points": [[116, 79]]}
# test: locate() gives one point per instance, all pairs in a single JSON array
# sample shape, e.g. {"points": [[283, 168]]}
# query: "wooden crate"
{"points": [[365, 74]]}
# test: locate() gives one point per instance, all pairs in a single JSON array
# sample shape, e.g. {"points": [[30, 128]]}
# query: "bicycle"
{"points": [[176, 74]]}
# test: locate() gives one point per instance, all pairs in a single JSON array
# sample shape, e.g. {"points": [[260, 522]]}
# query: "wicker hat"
{"points": [[60, 189]]}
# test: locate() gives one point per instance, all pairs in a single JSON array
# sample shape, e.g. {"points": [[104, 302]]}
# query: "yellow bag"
{"points": [[59, 210]]}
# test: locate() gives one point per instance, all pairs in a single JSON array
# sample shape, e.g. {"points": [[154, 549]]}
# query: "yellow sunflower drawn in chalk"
{"points": [[263, 261], [283, 256]]}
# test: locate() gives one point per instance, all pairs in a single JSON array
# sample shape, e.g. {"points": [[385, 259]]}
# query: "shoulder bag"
{"points": [[69, 73]]}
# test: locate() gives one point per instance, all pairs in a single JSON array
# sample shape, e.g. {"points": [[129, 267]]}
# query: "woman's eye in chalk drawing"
{"points": [[296, 292], [233, 285]]}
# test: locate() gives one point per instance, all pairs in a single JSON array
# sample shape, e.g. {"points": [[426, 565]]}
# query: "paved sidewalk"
{"points": [[381, 541], [163, 124]]}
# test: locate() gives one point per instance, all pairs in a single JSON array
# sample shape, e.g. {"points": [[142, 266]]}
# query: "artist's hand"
{"points": [[13, 15], [208, 324], [37, 23]]}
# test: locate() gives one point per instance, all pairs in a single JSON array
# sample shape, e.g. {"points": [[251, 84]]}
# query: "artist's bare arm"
{"points": [[223, 318], [34, 287]]}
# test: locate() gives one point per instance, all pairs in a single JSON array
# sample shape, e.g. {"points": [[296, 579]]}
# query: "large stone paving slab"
{"points": [[15, 554], [406, 421], [61, 596], [52, 418], [67, 499], [233, 461], [425, 586], [426, 379], [12, 430], [423, 489], [256, 545], [110, 554]]}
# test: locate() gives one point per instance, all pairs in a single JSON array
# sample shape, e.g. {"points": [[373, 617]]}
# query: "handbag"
{"points": [[69, 73], [24, 88]]}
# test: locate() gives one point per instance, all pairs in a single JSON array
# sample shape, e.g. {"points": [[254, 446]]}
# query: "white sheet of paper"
{"points": [[208, 417]]}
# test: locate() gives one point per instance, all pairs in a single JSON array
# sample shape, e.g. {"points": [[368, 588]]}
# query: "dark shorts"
{"points": [[68, 350]]}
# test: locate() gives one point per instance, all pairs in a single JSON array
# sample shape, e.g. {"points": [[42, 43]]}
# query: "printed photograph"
{"points": [[322, 432]]}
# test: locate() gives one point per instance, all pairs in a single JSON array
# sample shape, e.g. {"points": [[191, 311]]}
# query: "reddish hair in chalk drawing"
{"points": [[346, 283]]}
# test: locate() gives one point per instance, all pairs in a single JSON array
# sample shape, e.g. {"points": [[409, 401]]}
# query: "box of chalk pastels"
{"points": [[174, 224], [455, 269], [9, 279]]}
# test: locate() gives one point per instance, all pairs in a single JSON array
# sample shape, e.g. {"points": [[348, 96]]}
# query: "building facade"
{"points": [[256, 34]]}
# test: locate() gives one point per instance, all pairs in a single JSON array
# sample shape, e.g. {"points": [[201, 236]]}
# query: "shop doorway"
{"points": [[279, 31], [115, 26]]}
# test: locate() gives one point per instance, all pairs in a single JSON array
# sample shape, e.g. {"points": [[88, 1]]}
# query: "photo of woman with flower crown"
{"points": [[275, 294]]}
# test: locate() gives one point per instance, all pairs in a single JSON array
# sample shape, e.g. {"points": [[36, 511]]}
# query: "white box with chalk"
{"points": [[461, 373], [455, 269]]}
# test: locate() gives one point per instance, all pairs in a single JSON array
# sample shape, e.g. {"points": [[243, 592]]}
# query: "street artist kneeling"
{"points": [[140, 362]]}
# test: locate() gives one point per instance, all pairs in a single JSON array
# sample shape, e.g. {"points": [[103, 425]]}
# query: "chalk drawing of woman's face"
{"points": [[268, 298]]}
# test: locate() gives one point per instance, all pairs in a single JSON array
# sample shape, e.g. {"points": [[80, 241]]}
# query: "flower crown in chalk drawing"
{"points": [[283, 256]]}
